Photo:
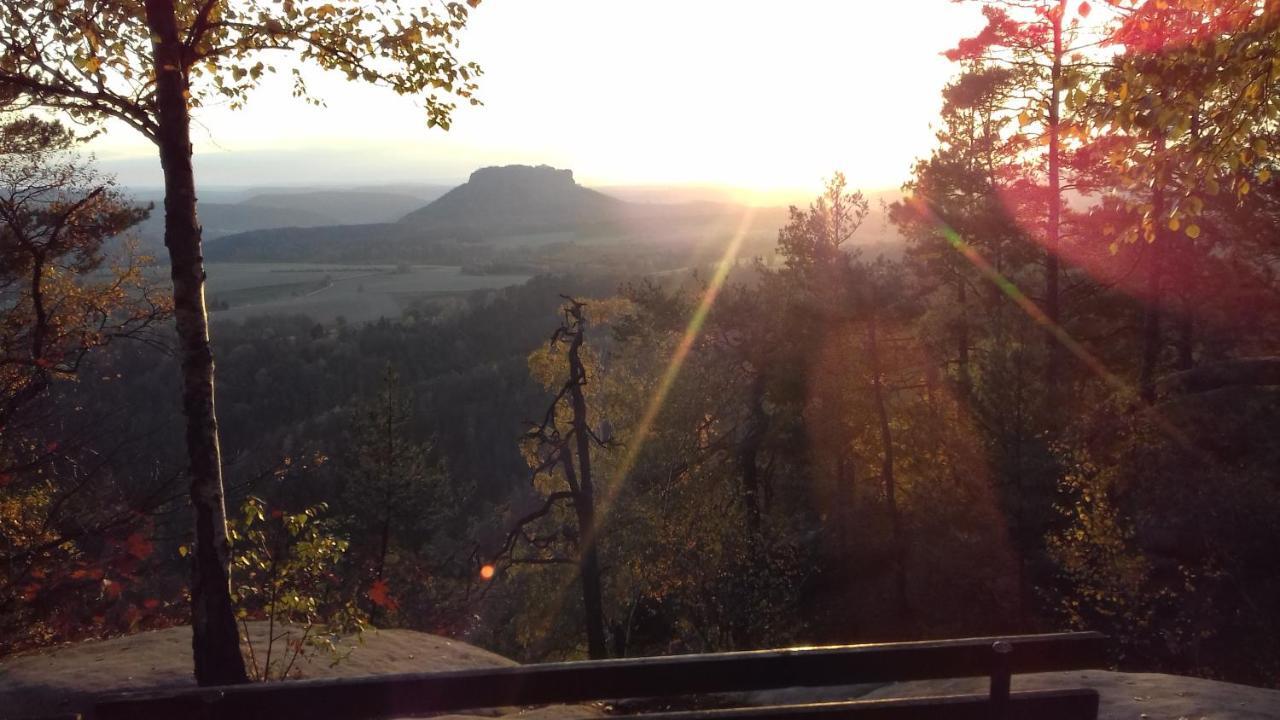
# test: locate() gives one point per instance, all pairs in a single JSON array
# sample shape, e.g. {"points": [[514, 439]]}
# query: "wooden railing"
{"points": [[392, 696]]}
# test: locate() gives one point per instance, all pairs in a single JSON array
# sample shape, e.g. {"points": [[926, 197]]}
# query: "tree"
{"points": [[285, 572], [56, 215], [148, 63], [968, 245], [963, 187], [565, 445], [65, 295], [392, 486], [1186, 108], [839, 291], [1043, 51]]}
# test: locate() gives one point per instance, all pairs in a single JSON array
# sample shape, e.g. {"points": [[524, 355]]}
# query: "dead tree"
{"points": [[567, 450]]}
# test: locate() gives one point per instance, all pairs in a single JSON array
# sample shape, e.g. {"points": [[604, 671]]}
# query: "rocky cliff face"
{"points": [[515, 199], [514, 175]]}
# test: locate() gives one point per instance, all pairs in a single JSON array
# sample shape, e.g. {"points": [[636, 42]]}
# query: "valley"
{"points": [[327, 293]]}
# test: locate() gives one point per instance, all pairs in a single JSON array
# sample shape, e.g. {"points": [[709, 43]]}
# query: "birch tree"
{"points": [[149, 64]]}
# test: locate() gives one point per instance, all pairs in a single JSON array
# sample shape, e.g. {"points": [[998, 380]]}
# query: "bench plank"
{"points": [[1034, 705]]}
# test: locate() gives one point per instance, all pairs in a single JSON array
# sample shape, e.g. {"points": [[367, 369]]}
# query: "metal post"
{"points": [[1001, 677]]}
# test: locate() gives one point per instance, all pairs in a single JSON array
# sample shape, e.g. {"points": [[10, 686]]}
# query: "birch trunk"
{"points": [[215, 637]]}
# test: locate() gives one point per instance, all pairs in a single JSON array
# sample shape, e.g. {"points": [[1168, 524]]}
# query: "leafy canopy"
{"points": [[94, 58]]}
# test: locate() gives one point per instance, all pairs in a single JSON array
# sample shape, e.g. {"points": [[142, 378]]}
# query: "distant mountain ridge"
{"points": [[220, 219], [497, 207], [233, 212], [344, 207]]}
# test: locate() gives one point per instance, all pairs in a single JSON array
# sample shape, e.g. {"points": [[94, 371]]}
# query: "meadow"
{"points": [[325, 292]]}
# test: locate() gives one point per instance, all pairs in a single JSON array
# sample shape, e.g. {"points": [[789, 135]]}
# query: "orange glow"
{"points": [[486, 572]]}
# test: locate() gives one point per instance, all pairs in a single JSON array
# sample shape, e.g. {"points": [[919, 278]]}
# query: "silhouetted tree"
{"points": [[565, 445]]}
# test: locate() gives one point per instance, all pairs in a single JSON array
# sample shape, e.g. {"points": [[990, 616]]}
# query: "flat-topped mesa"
{"points": [[512, 200], [507, 175]]}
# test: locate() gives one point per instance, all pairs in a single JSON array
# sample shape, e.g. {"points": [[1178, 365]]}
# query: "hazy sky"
{"points": [[768, 96]]}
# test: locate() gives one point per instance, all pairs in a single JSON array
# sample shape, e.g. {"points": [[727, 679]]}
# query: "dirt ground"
{"points": [[1127, 696], [66, 679]]}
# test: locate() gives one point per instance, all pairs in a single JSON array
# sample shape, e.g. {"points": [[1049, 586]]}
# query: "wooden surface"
{"points": [[1039, 705], [418, 693]]}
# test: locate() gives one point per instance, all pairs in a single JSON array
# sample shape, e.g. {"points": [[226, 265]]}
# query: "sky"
{"points": [[768, 97]]}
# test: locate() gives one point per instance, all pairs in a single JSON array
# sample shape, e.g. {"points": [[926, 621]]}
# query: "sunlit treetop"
{"points": [[1151, 27], [94, 58], [1031, 29], [1198, 78], [1049, 49]]}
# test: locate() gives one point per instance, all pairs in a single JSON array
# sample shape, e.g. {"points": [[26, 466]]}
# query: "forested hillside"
{"points": [[514, 215], [232, 212]]}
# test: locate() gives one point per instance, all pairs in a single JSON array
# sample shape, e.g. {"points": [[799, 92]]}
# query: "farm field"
{"points": [[324, 292]]}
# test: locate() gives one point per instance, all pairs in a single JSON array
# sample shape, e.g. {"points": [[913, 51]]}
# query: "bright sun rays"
{"points": [[691, 333], [1122, 387]]}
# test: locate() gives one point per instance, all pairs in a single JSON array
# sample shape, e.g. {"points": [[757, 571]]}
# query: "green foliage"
{"points": [[286, 571], [94, 60], [396, 500], [1170, 522], [1109, 577]]}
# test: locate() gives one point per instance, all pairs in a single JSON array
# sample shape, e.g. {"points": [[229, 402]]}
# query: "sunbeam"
{"points": [[1010, 290], [672, 372]]}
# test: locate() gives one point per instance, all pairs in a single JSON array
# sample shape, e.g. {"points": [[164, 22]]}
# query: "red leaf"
{"points": [[138, 546], [380, 594], [1084, 9], [151, 603]]}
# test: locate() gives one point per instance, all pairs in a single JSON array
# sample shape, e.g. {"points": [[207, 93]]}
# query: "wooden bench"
{"points": [[393, 696]]}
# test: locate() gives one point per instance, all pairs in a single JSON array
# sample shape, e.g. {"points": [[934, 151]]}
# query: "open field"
{"points": [[358, 293]]}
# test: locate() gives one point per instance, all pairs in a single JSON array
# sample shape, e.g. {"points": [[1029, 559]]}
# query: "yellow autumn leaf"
{"points": [[1193, 231]]}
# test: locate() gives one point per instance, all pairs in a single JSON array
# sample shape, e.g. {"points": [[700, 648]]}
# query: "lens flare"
{"points": [[1030, 308], [672, 372], [1123, 388]]}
